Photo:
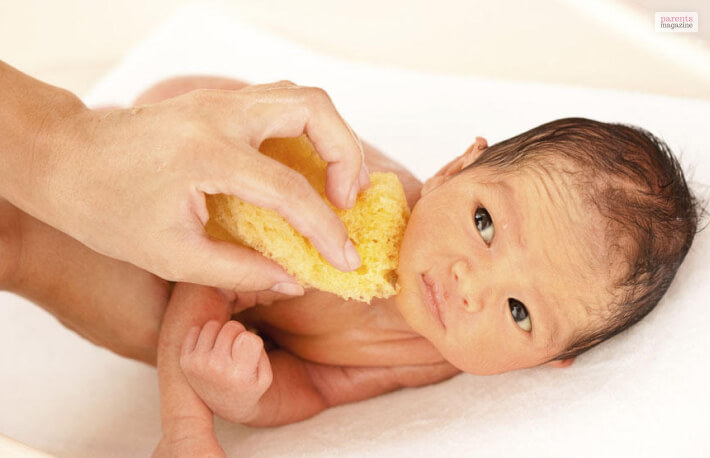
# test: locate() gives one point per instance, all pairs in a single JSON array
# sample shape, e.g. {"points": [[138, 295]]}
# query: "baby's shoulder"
{"points": [[322, 328]]}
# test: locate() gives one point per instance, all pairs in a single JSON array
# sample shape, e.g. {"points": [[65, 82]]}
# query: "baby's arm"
{"points": [[301, 389], [230, 371], [188, 428]]}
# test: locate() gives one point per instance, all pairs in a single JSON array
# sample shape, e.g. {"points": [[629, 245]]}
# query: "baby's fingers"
{"points": [[246, 350], [226, 337], [264, 375], [207, 337], [188, 345]]}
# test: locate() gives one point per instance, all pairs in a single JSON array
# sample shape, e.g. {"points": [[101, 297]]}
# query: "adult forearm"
{"points": [[109, 302], [37, 121]]}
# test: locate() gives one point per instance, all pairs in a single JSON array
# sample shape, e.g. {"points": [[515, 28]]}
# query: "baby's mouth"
{"points": [[433, 296]]}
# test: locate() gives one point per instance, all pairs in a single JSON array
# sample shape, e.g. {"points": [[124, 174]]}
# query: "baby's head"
{"points": [[540, 247]]}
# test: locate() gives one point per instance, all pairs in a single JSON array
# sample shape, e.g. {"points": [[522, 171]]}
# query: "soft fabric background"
{"points": [[596, 43], [643, 393]]}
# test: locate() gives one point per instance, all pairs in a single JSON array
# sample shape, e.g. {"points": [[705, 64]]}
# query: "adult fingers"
{"points": [[244, 300], [266, 183], [289, 111], [237, 268]]}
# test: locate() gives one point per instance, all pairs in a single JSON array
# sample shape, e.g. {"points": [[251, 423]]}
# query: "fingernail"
{"points": [[291, 289], [351, 255], [353, 195]]}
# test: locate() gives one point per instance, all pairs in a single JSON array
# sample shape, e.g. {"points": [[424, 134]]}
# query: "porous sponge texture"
{"points": [[375, 224]]}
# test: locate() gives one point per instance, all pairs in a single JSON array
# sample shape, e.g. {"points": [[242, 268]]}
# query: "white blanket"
{"points": [[643, 393]]}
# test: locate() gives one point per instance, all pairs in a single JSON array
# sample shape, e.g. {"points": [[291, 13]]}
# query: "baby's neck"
{"points": [[392, 313]]}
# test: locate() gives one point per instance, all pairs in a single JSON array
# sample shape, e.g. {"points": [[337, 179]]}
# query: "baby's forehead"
{"points": [[546, 208], [555, 188]]}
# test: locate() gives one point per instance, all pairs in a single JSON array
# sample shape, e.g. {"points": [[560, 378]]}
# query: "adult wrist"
{"points": [[38, 122]]}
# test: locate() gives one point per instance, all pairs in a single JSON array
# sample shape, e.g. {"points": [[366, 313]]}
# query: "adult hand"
{"points": [[130, 183]]}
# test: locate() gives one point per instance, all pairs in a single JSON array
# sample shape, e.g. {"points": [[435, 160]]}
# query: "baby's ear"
{"points": [[561, 363], [455, 166]]}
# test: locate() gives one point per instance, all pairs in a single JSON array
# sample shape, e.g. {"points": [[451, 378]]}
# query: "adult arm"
{"points": [[130, 183], [111, 303]]}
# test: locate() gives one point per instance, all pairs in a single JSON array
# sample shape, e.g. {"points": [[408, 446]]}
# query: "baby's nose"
{"points": [[463, 282]]}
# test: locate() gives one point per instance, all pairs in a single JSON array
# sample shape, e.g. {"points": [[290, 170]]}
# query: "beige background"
{"points": [[601, 43]]}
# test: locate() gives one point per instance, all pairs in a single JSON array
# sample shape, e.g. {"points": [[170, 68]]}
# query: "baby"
{"points": [[525, 253]]}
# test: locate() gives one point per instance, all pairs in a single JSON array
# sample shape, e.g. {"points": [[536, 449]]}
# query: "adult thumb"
{"points": [[237, 268]]}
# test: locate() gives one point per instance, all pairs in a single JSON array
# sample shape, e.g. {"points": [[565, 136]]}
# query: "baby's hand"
{"points": [[228, 368]]}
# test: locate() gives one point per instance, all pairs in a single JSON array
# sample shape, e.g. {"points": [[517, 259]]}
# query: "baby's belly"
{"points": [[322, 328]]}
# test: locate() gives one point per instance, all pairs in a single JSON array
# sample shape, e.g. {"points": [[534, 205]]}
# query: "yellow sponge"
{"points": [[375, 225]]}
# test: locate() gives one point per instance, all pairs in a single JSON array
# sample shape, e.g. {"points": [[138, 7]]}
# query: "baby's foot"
{"points": [[228, 368]]}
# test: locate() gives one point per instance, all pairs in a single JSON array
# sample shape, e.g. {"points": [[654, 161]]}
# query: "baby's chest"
{"points": [[322, 328]]}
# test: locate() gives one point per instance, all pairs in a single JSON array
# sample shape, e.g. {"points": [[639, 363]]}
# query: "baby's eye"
{"points": [[484, 223], [520, 314]]}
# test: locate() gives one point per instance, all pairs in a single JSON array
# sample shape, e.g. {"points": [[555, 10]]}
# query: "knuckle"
{"points": [[285, 83], [215, 364], [192, 135], [316, 95], [297, 186]]}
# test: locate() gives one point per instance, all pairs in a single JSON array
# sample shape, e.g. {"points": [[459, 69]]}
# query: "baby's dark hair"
{"points": [[636, 183]]}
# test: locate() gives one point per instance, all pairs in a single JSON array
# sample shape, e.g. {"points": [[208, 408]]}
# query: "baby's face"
{"points": [[511, 262]]}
